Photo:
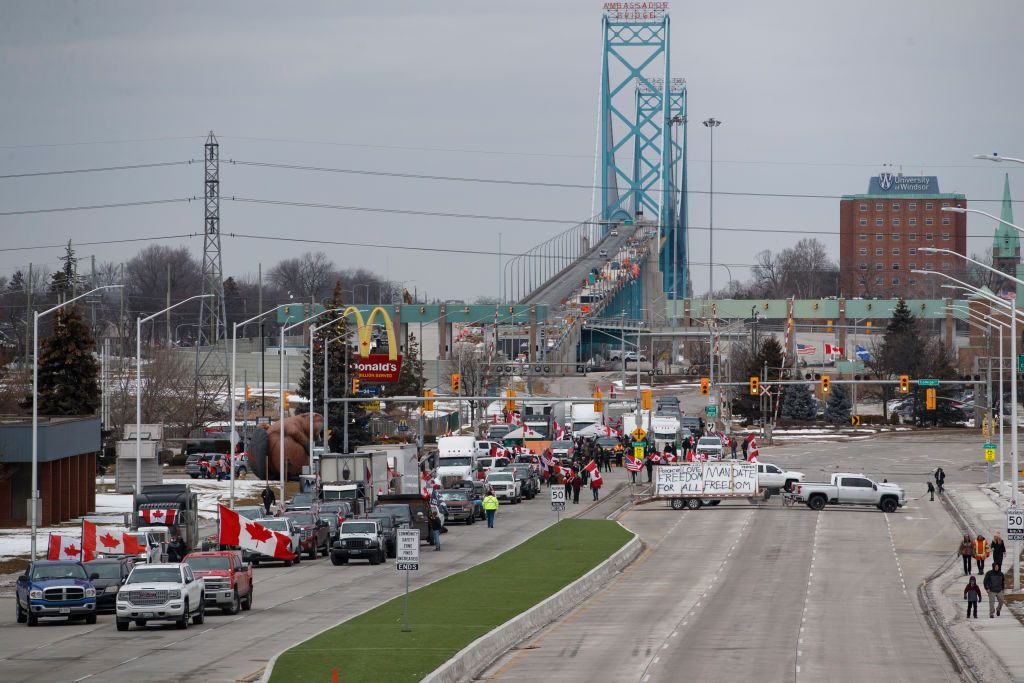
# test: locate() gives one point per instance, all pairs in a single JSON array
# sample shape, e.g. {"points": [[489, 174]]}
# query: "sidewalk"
{"points": [[985, 512]]}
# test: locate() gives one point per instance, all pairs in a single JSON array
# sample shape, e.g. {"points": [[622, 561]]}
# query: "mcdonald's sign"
{"points": [[379, 368]]}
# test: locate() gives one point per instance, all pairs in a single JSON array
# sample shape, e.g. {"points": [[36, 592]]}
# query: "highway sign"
{"points": [[402, 428], [558, 498], [1015, 524], [711, 410], [990, 451], [855, 420], [1020, 363], [927, 382], [408, 555], [638, 434]]}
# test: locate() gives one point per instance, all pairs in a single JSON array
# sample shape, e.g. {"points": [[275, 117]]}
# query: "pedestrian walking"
{"points": [[435, 530], [998, 549], [732, 445], [940, 479], [490, 505], [982, 550], [577, 484], [931, 491], [994, 583], [268, 498], [966, 553], [595, 486], [972, 594], [567, 482]]}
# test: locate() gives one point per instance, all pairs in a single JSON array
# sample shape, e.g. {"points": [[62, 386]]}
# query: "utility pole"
{"points": [[28, 316], [94, 286], [168, 304]]}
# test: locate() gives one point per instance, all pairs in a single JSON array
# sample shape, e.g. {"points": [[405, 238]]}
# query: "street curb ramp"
{"points": [[479, 654]]}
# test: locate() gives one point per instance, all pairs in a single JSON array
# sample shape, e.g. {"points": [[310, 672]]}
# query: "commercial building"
{"points": [[881, 233]]}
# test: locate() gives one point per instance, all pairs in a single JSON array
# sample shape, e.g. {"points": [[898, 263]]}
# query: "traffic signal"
{"points": [[830, 326], [428, 405], [929, 399], [248, 392], [510, 401], [645, 399], [598, 404], [868, 325], [355, 385], [705, 386], [456, 382], [826, 384], [754, 386], [904, 384], [286, 401]]}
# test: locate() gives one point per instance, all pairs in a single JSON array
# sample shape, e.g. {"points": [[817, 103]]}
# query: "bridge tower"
{"points": [[644, 115]]}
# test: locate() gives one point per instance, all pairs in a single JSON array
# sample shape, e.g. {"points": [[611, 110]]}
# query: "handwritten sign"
{"points": [[712, 479]]}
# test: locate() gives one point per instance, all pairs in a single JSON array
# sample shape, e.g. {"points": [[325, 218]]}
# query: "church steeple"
{"points": [[1006, 243]]}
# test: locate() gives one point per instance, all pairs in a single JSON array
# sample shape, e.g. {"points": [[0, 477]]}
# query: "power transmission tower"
{"points": [[212, 311]]}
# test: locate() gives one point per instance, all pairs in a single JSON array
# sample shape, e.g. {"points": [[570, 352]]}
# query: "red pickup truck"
{"points": [[227, 579]]}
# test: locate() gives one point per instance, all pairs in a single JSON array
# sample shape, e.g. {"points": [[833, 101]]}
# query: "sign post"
{"points": [[558, 505], [408, 558]]}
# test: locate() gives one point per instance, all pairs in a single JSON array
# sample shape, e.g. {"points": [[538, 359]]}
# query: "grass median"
{"points": [[451, 613]]}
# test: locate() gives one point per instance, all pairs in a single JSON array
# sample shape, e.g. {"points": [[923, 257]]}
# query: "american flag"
{"points": [[805, 349], [633, 465]]}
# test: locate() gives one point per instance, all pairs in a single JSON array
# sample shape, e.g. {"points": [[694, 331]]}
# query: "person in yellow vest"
{"points": [[981, 552], [490, 505]]}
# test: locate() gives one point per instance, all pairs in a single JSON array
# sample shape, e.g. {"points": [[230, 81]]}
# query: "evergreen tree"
{"points": [[768, 352], [837, 410], [798, 403], [68, 371], [18, 283], [339, 354], [410, 380], [903, 350], [66, 280]]}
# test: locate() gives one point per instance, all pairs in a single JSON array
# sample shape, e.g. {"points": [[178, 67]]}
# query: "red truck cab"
{"points": [[227, 579]]}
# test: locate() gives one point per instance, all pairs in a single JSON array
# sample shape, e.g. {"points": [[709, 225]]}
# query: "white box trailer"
{"points": [[695, 484]]}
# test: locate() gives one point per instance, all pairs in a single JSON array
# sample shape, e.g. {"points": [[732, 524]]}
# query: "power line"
{"points": [[90, 207], [103, 242], [37, 174]]}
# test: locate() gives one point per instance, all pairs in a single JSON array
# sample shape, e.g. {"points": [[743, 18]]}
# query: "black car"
{"points": [[531, 482], [479, 491], [112, 573], [390, 530]]}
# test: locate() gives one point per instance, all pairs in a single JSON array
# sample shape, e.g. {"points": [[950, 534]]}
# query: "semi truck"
{"points": [[666, 431], [171, 505]]}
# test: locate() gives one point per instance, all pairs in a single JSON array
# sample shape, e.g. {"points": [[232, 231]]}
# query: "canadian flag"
{"points": [[65, 548], [162, 516], [595, 479], [591, 467], [425, 485], [831, 350], [236, 530], [108, 540], [752, 450]]}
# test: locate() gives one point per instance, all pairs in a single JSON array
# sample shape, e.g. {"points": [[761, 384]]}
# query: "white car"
{"points": [[774, 477], [710, 448], [614, 232], [161, 592], [603, 253], [285, 526], [505, 486]]}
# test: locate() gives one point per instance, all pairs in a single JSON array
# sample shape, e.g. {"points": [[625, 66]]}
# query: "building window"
{"points": [[895, 266], [928, 206], [928, 265], [929, 221], [912, 207], [863, 237], [945, 236], [945, 220], [911, 221], [879, 207], [895, 280], [863, 207], [879, 237], [895, 251], [879, 280], [912, 281], [895, 221], [863, 251], [895, 237], [912, 266], [863, 280], [863, 266], [928, 237], [911, 251], [879, 221], [879, 266], [879, 251], [895, 206], [912, 236], [945, 203], [863, 221], [945, 265]]}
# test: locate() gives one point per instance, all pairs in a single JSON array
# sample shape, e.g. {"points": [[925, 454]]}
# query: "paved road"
{"points": [[738, 592], [290, 604], [561, 286]]}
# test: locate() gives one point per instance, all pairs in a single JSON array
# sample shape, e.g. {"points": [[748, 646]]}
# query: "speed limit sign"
{"points": [[558, 498], [1015, 524]]}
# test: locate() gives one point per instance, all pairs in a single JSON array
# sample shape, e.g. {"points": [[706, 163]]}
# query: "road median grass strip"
{"points": [[451, 613]]}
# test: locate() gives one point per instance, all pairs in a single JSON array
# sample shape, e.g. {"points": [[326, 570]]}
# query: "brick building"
{"points": [[880, 233]]}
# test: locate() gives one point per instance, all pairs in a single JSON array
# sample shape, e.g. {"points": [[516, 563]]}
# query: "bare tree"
{"points": [[471, 361], [308, 276]]}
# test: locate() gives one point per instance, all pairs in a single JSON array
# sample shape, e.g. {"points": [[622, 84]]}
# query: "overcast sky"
{"points": [[814, 98]]}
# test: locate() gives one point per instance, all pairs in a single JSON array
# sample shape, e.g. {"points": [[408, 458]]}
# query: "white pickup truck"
{"points": [[161, 592], [773, 478], [850, 489]]}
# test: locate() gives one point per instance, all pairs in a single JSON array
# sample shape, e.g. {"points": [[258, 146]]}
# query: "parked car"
{"points": [[110, 574], [336, 508], [390, 526], [460, 503], [497, 432], [563, 448], [161, 592], [773, 478], [850, 489], [360, 539], [54, 588], [478, 490], [710, 447], [286, 527], [314, 533], [300, 501], [505, 486], [485, 465], [409, 510], [227, 579], [250, 512], [529, 480]]}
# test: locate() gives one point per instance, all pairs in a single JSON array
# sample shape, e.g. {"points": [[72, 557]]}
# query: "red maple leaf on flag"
{"points": [[71, 551], [258, 532], [109, 541]]}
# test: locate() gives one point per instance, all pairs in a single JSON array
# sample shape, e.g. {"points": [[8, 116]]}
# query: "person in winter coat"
{"points": [[176, 549], [732, 445], [576, 483], [595, 486], [940, 479], [931, 491], [567, 482], [435, 530], [994, 583], [972, 594], [746, 443], [998, 549], [649, 464], [490, 505], [966, 553], [981, 552], [268, 498]]}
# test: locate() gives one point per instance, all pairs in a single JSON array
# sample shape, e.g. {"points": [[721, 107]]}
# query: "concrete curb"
{"points": [[481, 652]]}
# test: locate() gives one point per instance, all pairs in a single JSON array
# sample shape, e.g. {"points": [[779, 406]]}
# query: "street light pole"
{"points": [[34, 498], [711, 124]]}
